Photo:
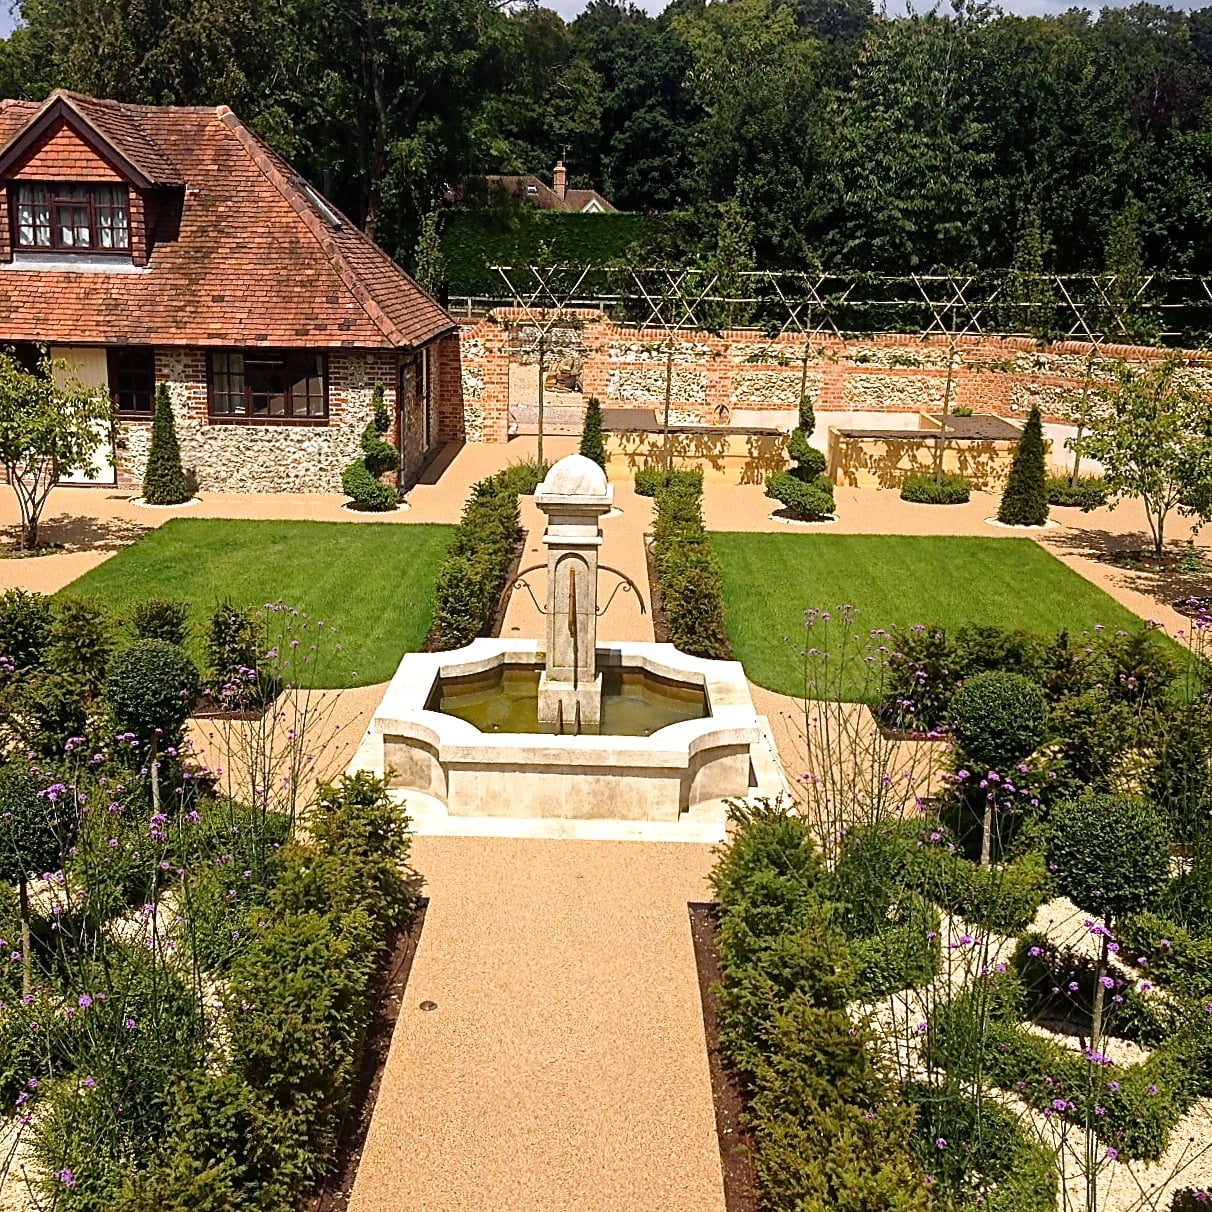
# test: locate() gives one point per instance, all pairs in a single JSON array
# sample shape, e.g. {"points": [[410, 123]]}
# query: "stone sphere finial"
{"points": [[574, 476]]}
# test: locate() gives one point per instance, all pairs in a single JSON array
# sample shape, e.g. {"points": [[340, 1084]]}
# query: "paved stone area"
{"points": [[564, 1069]]}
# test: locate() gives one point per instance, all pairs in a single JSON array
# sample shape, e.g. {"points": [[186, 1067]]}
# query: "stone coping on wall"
{"points": [[644, 420]]}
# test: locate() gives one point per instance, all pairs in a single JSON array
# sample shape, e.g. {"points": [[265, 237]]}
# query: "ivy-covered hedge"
{"points": [[479, 557], [692, 592], [473, 241]]}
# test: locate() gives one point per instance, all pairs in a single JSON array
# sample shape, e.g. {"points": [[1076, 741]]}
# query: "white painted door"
{"points": [[89, 367]]}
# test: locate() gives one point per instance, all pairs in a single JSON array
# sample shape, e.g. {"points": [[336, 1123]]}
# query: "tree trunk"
{"points": [[987, 833], [1081, 418], [1096, 1019], [153, 770], [940, 445], [27, 960], [668, 450], [542, 370], [29, 533]]}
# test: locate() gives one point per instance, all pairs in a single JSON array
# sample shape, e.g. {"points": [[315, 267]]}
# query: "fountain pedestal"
{"points": [[574, 496]]}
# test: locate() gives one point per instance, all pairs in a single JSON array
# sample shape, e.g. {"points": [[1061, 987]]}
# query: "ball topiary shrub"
{"points": [[25, 629], [161, 619], [164, 481], [947, 488], [810, 501], [35, 831], [151, 688], [1110, 855], [360, 480], [1025, 501], [999, 719]]}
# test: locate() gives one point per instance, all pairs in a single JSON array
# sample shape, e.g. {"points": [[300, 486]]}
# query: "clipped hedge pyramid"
{"points": [[1025, 501], [164, 481]]}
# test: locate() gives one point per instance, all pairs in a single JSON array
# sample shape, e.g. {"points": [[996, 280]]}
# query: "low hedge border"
{"points": [[947, 488], [1131, 1108], [829, 1130], [254, 1122], [688, 575], [477, 562]]}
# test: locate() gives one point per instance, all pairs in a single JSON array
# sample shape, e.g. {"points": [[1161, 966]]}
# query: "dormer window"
{"points": [[64, 217]]}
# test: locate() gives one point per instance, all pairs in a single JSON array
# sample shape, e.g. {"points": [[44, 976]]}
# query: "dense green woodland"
{"points": [[788, 133]]}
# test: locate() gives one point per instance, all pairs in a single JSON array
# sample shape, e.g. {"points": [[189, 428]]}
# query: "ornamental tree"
{"points": [[34, 828], [1152, 432], [48, 430], [1110, 856], [998, 719]]}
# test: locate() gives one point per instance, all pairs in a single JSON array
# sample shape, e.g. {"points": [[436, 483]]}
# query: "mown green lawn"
{"points": [[770, 580], [370, 583]]}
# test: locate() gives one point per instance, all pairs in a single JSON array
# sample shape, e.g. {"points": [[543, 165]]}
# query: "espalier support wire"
{"points": [[1096, 309]]}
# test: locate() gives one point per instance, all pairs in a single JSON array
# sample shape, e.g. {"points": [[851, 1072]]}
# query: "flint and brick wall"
{"points": [[286, 457], [744, 372]]}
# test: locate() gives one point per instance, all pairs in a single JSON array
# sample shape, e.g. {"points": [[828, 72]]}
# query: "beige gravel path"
{"points": [[565, 1068]]}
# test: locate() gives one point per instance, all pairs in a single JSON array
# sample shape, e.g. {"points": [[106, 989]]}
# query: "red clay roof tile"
{"points": [[258, 257]]}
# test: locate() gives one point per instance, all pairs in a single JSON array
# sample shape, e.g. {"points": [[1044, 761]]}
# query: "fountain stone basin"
{"points": [[532, 774]]}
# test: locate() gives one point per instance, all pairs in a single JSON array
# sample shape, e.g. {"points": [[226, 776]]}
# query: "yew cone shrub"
{"points": [[1025, 501], [593, 444], [164, 481]]}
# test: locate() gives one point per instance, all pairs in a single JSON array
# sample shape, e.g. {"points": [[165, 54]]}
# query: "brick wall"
{"points": [[63, 156], [749, 378]]}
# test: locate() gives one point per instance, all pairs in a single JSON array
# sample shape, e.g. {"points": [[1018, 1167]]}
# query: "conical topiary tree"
{"points": [[593, 444], [164, 481], [1025, 501]]}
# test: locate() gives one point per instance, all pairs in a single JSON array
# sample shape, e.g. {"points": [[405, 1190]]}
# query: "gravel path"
{"points": [[564, 1069]]}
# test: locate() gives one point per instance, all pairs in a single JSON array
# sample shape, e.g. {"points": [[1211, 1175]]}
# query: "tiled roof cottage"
{"points": [[144, 244]]}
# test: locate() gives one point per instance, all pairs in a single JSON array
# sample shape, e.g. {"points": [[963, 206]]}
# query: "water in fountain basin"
{"points": [[634, 701]]}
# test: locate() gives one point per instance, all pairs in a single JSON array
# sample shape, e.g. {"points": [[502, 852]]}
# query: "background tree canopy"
{"points": [[846, 140]]}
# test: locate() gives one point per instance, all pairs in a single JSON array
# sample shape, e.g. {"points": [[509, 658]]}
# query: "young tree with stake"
{"points": [[48, 430]]}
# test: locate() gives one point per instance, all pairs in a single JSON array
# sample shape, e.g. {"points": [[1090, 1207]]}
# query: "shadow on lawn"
{"points": [[1165, 586], [68, 533]]}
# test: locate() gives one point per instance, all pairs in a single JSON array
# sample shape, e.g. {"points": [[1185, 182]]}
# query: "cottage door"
{"points": [[89, 367]]}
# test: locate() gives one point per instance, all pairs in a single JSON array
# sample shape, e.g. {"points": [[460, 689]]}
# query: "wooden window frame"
{"points": [[55, 201], [250, 418], [117, 372]]}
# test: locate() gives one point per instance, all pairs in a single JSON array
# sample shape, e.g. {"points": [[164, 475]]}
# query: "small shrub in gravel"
{"points": [[923, 488]]}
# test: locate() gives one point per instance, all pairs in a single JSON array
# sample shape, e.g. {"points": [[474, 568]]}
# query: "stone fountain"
{"points": [[573, 728], [574, 496]]}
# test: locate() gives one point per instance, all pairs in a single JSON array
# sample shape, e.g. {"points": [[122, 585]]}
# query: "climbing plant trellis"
{"points": [[1095, 309]]}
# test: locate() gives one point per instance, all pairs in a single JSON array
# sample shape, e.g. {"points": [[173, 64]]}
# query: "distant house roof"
{"points": [[538, 193], [241, 249]]}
